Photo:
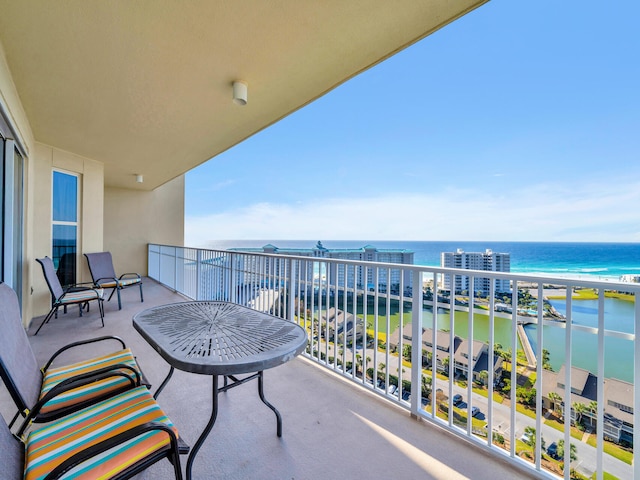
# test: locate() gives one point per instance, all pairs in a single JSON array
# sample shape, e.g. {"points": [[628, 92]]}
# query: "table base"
{"points": [[235, 382]]}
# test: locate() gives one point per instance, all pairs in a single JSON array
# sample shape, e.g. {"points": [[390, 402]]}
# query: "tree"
{"points": [[555, 400], [526, 396], [545, 360], [579, 409], [406, 352], [381, 366], [483, 376], [531, 434], [445, 365], [573, 451], [506, 354], [426, 357]]}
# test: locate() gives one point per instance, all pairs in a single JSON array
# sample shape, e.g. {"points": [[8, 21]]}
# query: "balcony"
{"points": [[339, 423]]}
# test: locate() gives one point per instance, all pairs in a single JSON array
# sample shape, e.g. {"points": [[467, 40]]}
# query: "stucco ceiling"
{"points": [[145, 86]]}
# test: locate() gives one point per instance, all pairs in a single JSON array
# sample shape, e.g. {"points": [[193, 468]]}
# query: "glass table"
{"points": [[220, 339]]}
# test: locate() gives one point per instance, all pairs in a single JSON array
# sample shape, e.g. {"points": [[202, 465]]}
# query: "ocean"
{"points": [[596, 261]]}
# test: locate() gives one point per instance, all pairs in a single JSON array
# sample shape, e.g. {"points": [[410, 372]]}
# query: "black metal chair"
{"points": [[104, 275], [78, 294], [54, 391]]}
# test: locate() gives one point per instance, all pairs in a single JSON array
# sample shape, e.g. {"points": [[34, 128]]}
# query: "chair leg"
{"points": [[141, 299], [119, 301], [13, 420], [47, 318], [101, 310]]}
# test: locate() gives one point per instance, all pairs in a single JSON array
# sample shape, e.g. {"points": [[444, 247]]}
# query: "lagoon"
{"points": [[618, 316]]}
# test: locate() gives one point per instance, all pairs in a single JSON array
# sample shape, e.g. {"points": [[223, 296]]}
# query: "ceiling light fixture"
{"points": [[240, 92], [139, 178]]}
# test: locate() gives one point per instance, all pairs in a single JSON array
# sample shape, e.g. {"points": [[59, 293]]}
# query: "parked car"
{"points": [[392, 389], [552, 451], [474, 411], [526, 438], [457, 399]]}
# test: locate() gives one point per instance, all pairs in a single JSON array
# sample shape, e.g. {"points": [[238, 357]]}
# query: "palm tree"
{"points": [[545, 360], [555, 400], [445, 365], [426, 357], [530, 432], [579, 409], [573, 451], [483, 376], [381, 366], [593, 410]]}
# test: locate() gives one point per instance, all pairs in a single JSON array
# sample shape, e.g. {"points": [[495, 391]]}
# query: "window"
{"points": [[65, 226], [11, 205]]}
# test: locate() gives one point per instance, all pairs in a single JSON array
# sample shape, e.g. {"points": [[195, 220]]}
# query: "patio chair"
{"points": [[104, 275], [79, 294], [52, 392], [115, 438]]}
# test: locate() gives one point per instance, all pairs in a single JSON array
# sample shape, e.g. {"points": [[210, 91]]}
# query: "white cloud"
{"points": [[549, 212]]}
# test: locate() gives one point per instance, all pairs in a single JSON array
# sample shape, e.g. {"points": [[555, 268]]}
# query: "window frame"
{"points": [[75, 223]]}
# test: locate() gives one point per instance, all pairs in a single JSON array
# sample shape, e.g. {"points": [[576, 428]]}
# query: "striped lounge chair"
{"points": [[79, 294], [116, 438], [49, 393], [104, 275]]}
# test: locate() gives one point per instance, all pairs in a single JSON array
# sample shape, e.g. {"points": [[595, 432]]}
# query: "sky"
{"points": [[518, 122]]}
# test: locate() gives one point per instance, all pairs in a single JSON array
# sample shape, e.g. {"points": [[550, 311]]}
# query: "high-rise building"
{"points": [[351, 276], [487, 260]]}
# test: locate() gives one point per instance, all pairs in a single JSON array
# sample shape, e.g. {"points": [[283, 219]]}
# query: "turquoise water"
{"points": [[618, 353], [597, 260]]}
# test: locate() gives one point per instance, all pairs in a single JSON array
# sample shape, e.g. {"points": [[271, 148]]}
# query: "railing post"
{"points": [[232, 280], [198, 273], [175, 269], [416, 343], [291, 278]]}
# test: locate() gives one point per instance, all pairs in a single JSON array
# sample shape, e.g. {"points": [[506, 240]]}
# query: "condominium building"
{"points": [[487, 261], [356, 276]]}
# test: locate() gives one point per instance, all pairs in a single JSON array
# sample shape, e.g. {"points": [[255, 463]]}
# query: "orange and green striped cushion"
{"points": [[82, 295], [53, 376], [122, 283], [50, 445]]}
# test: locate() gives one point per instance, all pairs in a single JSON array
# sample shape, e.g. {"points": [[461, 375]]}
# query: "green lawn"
{"points": [[613, 450], [485, 393], [575, 433], [525, 411]]}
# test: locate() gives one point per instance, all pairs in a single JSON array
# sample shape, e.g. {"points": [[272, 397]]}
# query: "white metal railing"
{"points": [[375, 322]]}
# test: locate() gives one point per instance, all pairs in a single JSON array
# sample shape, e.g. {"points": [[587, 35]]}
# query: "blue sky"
{"points": [[518, 122]]}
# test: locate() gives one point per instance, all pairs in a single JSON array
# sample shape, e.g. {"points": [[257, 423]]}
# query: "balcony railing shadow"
{"points": [[332, 428]]}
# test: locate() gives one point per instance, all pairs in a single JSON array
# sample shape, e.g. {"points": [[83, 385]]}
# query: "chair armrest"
{"points": [[112, 442], [98, 280], [79, 381], [81, 286], [131, 274], [81, 342]]}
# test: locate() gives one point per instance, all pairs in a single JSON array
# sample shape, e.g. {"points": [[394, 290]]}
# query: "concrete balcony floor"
{"points": [[331, 428]]}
